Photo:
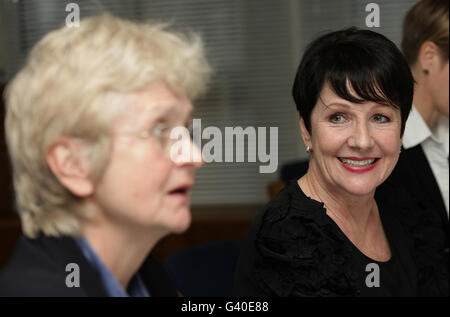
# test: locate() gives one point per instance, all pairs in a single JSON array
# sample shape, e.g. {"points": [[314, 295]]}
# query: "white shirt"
{"points": [[435, 145]]}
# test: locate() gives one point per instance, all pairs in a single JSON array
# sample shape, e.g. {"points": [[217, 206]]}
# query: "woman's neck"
{"points": [[356, 216], [423, 103], [121, 249], [422, 100]]}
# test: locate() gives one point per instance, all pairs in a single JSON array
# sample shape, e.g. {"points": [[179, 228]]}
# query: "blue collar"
{"points": [[136, 287]]}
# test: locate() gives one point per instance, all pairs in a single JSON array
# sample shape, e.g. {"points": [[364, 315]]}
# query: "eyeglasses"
{"points": [[161, 133]]}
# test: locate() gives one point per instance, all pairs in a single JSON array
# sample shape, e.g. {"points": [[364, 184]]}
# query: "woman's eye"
{"points": [[381, 118], [159, 129], [337, 118]]}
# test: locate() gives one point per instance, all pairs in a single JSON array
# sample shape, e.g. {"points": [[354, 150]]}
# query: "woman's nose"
{"points": [[361, 137], [183, 150], [197, 156], [191, 154]]}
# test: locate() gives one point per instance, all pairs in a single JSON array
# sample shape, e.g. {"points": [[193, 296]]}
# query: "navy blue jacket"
{"points": [[38, 268]]}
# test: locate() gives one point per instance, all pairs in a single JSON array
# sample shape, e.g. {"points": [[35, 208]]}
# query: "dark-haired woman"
{"points": [[332, 232]]}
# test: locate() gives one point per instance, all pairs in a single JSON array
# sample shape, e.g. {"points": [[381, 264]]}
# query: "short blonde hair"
{"points": [[65, 89]]}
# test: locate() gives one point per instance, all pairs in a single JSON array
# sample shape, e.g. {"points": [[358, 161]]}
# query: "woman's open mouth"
{"points": [[359, 165], [181, 191]]}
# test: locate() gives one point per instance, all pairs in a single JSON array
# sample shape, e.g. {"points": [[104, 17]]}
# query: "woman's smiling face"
{"points": [[354, 146]]}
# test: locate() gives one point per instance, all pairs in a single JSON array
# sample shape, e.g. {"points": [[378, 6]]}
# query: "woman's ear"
{"points": [[305, 134], [429, 56], [67, 160]]}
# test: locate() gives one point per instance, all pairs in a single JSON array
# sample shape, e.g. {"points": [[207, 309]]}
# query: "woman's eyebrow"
{"points": [[335, 104], [384, 106], [161, 111], [338, 104], [171, 113], [165, 109]]}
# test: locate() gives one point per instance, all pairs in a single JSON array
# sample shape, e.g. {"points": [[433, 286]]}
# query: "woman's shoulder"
{"points": [[290, 204], [156, 278], [299, 251], [34, 270], [414, 217], [289, 214], [424, 234]]}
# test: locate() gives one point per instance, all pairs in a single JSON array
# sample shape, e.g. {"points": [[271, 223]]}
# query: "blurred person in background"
{"points": [[88, 128], [423, 167]]}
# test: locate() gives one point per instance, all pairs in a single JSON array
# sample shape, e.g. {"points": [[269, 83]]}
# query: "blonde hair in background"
{"points": [[71, 85], [427, 20]]}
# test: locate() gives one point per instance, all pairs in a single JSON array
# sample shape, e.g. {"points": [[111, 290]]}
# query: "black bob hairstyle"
{"points": [[372, 64]]}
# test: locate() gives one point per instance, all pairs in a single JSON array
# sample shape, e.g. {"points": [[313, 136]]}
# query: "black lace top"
{"points": [[294, 248]]}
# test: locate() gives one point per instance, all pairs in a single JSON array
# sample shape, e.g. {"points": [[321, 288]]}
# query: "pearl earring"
{"points": [[308, 149]]}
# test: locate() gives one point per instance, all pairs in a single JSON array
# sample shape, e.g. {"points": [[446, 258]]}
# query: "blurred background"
{"points": [[254, 47]]}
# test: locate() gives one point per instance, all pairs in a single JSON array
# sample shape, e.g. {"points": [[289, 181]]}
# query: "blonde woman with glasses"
{"points": [[88, 130]]}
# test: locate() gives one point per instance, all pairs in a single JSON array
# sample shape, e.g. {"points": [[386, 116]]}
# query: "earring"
{"points": [[426, 72], [308, 149]]}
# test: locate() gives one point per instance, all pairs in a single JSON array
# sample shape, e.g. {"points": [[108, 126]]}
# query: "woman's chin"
{"points": [[184, 220], [360, 189]]}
